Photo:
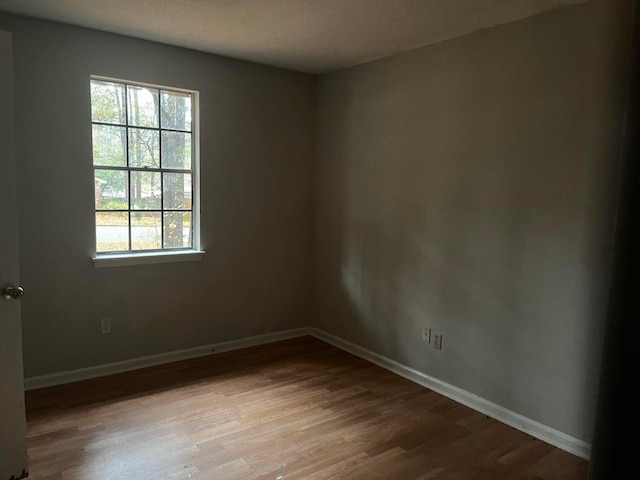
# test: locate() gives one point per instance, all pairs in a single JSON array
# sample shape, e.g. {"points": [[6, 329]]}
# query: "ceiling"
{"points": [[314, 36]]}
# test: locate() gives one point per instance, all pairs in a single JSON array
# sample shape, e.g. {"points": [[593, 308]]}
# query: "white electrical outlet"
{"points": [[426, 335], [105, 326], [437, 342]]}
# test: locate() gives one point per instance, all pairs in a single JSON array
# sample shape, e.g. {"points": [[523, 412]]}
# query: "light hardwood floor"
{"points": [[289, 410]]}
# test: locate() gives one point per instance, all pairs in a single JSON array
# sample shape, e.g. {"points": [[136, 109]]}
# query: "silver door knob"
{"points": [[11, 292]]}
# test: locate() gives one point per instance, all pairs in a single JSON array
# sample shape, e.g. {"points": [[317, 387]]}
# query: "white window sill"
{"points": [[126, 259]]}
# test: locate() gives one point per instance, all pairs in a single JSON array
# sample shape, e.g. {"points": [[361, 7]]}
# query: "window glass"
{"points": [[143, 167]]}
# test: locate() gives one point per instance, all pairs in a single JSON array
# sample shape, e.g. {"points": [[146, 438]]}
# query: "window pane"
{"points": [[112, 231], [107, 102], [146, 230], [176, 110], [176, 191], [142, 157], [109, 145], [144, 148], [145, 191], [111, 190], [142, 106], [177, 229], [176, 150]]}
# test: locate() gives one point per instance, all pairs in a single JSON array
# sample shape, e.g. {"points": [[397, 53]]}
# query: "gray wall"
{"points": [[467, 186], [257, 139]]}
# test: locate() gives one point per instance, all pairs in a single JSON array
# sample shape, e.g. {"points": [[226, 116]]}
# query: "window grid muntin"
{"points": [[129, 169], [141, 128]]}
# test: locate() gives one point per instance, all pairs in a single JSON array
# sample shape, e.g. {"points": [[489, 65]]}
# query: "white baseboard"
{"points": [[504, 415], [531, 427], [70, 376]]}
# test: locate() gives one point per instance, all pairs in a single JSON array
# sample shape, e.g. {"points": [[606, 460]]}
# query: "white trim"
{"points": [[195, 166], [71, 376], [103, 78], [125, 259], [519, 422]]}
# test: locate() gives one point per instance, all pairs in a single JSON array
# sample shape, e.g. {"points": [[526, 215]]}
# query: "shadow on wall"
{"points": [[429, 245], [477, 212]]}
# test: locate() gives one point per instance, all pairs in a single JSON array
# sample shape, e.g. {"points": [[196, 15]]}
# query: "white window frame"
{"points": [[143, 257]]}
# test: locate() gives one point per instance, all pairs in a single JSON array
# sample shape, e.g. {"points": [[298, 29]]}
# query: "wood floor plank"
{"points": [[297, 409]]}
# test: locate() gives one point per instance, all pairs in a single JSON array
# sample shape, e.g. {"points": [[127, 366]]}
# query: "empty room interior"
{"points": [[279, 239]]}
